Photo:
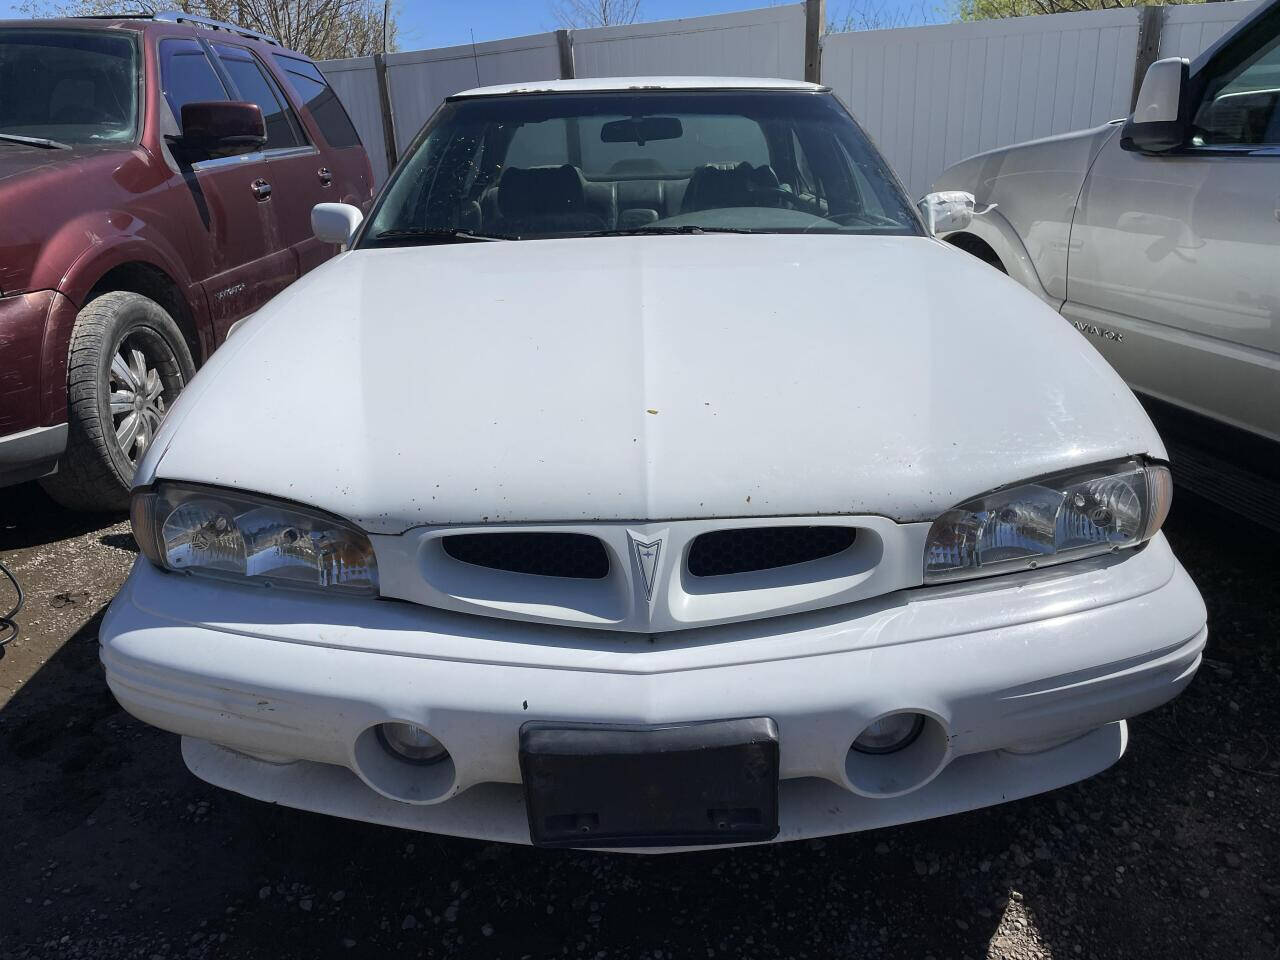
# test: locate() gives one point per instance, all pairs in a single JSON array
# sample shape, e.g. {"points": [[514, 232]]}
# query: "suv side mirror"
{"points": [[1159, 122], [335, 222], [222, 128], [947, 211]]}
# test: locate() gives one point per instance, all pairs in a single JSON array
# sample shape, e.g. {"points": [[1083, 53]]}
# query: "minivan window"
{"points": [[311, 88], [255, 86], [73, 86], [187, 76], [528, 166]]}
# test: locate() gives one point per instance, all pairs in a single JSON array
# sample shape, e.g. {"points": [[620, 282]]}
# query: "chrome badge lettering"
{"points": [[1096, 331]]}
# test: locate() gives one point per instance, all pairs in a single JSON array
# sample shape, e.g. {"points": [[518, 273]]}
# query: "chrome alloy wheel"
{"points": [[137, 392]]}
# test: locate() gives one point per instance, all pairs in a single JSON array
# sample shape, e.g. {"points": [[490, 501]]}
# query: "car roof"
{"points": [[144, 23], [616, 84]]}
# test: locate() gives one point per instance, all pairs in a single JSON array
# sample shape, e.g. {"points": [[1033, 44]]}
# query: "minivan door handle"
{"points": [[325, 175], [261, 189]]}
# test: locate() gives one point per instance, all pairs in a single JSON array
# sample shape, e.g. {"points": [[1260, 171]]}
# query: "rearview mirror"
{"points": [[640, 130], [335, 222], [947, 211], [222, 128], [1159, 122]]}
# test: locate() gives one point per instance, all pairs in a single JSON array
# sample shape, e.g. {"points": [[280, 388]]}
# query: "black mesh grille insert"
{"points": [[546, 554], [764, 548]]}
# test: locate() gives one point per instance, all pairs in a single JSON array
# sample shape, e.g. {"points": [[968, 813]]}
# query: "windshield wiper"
{"points": [[42, 142], [440, 234], [682, 229]]}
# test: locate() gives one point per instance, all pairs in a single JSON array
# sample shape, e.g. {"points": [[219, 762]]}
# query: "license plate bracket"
{"points": [[616, 785]]}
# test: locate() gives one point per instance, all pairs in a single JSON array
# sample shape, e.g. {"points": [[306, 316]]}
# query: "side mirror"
{"points": [[222, 128], [1159, 122], [335, 222], [948, 211]]}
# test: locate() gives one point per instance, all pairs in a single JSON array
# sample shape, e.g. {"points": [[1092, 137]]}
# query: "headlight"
{"points": [[241, 536], [1058, 518]]}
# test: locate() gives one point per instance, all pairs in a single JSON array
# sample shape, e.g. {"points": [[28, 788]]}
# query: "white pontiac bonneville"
{"points": [[646, 476]]}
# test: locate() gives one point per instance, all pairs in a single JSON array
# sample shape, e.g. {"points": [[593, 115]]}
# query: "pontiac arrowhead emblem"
{"points": [[647, 556]]}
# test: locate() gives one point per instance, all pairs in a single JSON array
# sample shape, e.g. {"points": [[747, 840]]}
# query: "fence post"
{"points": [[1150, 25], [384, 102], [564, 43], [815, 21]]}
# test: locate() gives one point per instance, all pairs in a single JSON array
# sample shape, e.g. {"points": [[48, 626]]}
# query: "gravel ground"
{"points": [[110, 849]]}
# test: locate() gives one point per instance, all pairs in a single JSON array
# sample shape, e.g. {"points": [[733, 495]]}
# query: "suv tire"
{"points": [[128, 362]]}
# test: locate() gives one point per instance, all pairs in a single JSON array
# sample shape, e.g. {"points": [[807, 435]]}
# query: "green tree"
{"points": [[322, 29]]}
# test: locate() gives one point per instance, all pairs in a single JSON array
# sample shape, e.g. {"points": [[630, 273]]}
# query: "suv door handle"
{"points": [[325, 175], [261, 189]]}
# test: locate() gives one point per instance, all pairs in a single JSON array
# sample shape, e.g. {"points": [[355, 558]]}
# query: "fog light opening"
{"points": [[404, 761], [896, 753], [411, 743], [890, 734]]}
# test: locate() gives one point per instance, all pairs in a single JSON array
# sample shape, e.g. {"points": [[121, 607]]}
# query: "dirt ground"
{"points": [[109, 848]]}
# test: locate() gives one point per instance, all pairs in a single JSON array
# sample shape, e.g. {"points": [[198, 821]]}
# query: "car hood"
{"points": [[648, 378]]}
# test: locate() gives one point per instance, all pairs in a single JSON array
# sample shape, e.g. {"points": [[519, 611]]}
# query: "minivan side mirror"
{"points": [[947, 211], [335, 222], [1159, 122], [222, 128]]}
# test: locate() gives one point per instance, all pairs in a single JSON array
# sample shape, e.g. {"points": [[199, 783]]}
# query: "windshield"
{"points": [[71, 86], [561, 165]]}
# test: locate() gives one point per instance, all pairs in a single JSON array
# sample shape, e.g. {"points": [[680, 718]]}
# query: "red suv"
{"points": [[156, 183]]}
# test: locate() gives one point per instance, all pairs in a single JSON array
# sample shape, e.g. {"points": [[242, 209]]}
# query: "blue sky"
{"points": [[442, 23]]}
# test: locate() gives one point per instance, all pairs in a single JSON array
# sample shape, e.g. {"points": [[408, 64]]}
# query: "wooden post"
{"points": [[815, 22], [1150, 25], [564, 43], [384, 102]]}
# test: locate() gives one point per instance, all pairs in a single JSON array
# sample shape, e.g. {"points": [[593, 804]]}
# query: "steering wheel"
{"points": [[794, 202]]}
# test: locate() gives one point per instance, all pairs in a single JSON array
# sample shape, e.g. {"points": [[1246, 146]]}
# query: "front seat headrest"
{"points": [[533, 191]]}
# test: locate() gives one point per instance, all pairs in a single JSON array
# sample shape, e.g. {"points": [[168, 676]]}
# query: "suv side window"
{"points": [[187, 76], [310, 87], [254, 85], [1241, 106]]}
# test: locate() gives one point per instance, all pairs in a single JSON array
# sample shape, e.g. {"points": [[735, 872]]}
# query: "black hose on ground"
{"points": [[8, 625]]}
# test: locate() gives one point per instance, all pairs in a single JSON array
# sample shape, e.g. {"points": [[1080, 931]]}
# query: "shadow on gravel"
{"points": [[110, 848], [122, 541], [29, 517]]}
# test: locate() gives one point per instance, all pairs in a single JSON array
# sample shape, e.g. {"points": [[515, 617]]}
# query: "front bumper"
{"points": [[1024, 681]]}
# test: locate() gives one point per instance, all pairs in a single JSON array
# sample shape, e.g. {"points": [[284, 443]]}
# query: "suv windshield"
{"points": [[565, 165], [72, 86]]}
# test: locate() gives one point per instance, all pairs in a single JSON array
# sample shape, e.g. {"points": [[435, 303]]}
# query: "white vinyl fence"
{"points": [[1189, 30], [928, 96], [756, 43]]}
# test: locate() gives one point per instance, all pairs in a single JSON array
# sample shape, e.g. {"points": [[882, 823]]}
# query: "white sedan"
{"points": [[646, 476]]}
